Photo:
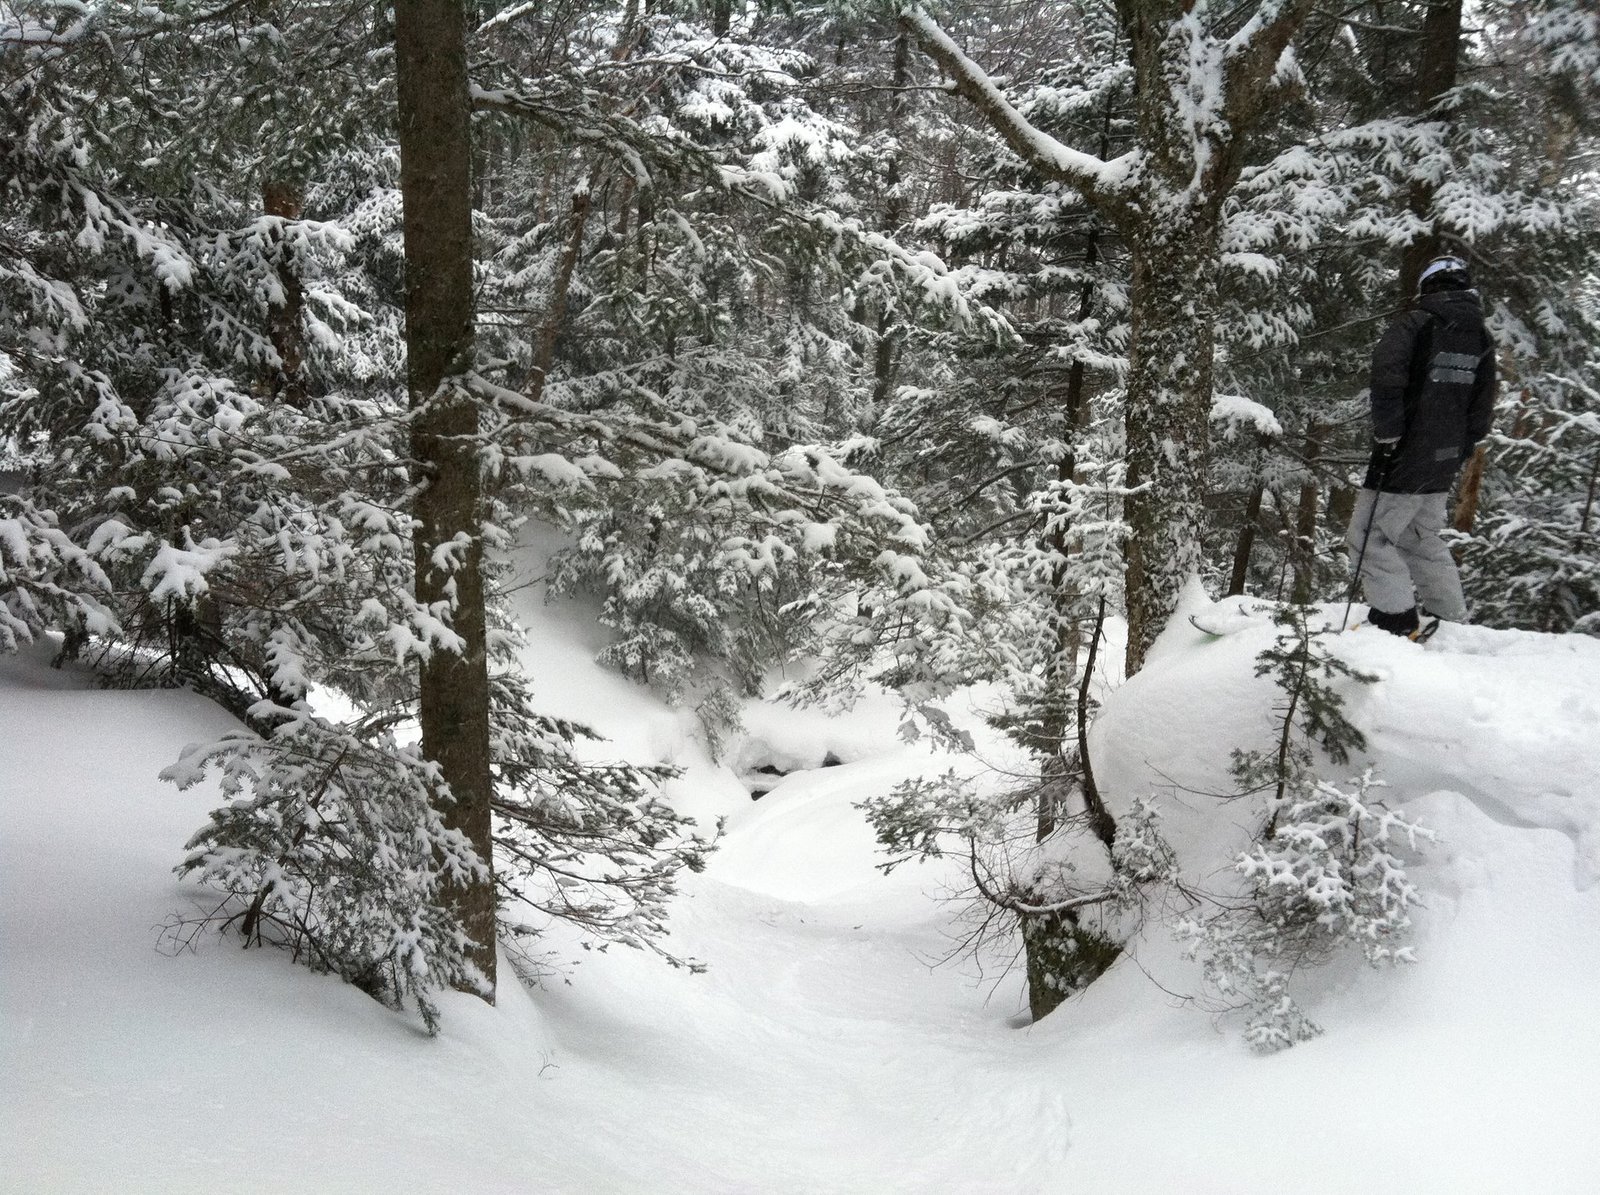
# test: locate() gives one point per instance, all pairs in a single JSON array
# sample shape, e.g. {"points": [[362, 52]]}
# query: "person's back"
{"points": [[1433, 382]]}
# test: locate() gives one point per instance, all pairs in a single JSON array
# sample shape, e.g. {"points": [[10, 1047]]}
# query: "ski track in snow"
{"points": [[823, 1051]]}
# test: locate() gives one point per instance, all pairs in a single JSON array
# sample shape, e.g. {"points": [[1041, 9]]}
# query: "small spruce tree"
{"points": [[1327, 869]]}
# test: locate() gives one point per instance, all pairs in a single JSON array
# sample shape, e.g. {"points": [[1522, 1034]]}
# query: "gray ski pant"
{"points": [[1406, 562]]}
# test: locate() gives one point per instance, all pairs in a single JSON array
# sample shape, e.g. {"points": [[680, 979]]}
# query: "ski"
{"points": [[1226, 619], [1223, 629]]}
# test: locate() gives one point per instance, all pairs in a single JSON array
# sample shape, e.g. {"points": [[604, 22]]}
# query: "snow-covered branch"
{"points": [[1259, 61], [1098, 180]]}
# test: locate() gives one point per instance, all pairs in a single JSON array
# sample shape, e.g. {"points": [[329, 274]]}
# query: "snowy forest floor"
{"points": [[823, 1052]]}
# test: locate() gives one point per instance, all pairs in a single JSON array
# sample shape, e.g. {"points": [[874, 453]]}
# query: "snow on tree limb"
{"points": [[1234, 411], [45, 579], [1259, 59], [1097, 179]]}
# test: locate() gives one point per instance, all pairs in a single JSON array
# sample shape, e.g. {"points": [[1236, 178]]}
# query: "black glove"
{"points": [[1383, 451]]}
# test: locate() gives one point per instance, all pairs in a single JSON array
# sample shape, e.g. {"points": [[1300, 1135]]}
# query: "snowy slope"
{"points": [[822, 1052]]}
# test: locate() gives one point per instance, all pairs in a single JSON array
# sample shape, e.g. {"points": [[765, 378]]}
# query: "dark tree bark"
{"points": [[285, 321], [1436, 74], [436, 187], [1069, 767], [1303, 553], [1062, 957], [548, 335], [1168, 434], [1247, 541], [1174, 228], [1168, 210]]}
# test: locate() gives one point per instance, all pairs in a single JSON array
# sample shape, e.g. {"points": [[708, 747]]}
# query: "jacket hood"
{"points": [[1457, 306]]}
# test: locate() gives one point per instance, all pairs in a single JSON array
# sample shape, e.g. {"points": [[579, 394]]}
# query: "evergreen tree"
{"points": [[1327, 869], [1201, 80], [221, 476]]}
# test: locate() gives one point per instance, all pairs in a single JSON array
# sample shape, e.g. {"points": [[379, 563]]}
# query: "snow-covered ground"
{"points": [[823, 1052]]}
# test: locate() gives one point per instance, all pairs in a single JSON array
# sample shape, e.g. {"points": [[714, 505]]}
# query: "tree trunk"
{"points": [[1062, 957], [1064, 723], [1436, 74], [1466, 512], [285, 321], [1173, 222], [1247, 541], [1304, 554], [435, 185], [1172, 298], [548, 335]]}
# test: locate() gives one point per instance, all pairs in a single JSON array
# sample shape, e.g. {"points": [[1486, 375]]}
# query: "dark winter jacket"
{"points": [[1433, 383]]}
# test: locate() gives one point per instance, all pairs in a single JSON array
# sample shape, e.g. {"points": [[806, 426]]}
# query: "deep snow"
{"points": [[823, 1052]]}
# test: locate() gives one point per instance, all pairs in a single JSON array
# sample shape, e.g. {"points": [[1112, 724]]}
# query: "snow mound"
{"points": [[1507, 720], [804, 841]]}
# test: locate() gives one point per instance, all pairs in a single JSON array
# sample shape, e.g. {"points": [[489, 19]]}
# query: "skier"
{"points": [[1433, 384]]}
